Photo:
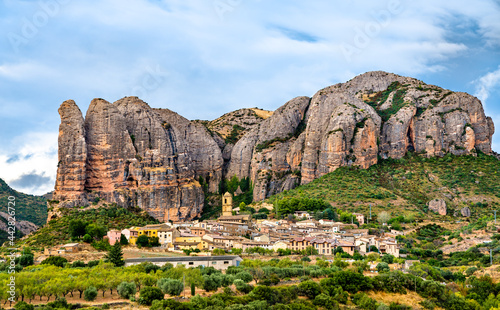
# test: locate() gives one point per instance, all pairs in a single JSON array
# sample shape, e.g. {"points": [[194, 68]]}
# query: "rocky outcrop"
{"points": [[375, 115], [438, 206], [465, 211], [136, 156], [131, 154], [25, 227]]}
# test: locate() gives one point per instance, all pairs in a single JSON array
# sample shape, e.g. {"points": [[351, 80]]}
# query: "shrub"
{"points": [[21, 305], [148, 294], [245, 276], [78, 264], [126, 289], [310, 289], [55, 260], [90, 293], [171, 286], [383, 267]]}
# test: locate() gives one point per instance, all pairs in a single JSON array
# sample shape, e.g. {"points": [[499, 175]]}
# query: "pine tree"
{"points": [[115, 255]]}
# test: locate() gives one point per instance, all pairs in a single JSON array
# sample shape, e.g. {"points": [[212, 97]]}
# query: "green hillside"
{"points": [[407, 184], [28, 208], [108, 217]]}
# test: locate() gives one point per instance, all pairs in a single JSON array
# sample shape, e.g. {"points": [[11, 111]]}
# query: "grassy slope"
{"points": [[112, 217], [28, 208], [409, 183]]}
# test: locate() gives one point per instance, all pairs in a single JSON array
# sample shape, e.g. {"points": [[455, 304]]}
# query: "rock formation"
{"points": [[438, 206], [465, 211], [131, 154]]}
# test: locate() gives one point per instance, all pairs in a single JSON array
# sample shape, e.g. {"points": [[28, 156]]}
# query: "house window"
{"points": [[226, 262], [214, 263], [191, 263]]}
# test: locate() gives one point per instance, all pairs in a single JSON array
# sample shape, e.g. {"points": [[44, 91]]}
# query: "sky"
{"points": [[203, 58]]}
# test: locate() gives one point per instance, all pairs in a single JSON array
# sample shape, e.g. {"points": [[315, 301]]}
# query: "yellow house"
{"points": [[190, 241], [148, 231]]}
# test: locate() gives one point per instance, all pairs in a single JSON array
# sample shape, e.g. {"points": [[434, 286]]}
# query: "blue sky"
{"points": [[207, 57]]}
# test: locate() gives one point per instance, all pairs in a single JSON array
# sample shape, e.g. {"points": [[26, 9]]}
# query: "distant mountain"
{"points": [[134, 155], [30, 211]]}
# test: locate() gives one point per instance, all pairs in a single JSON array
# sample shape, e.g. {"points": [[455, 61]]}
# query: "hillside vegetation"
{"points": [[57, 231], [409, 184], [28, 208]]}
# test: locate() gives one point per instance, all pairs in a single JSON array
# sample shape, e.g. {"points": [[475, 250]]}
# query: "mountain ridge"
{"points": [[134, 155]]}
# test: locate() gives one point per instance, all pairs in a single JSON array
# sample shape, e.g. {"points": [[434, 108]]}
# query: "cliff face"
{"points": [[133, 155], [375, 115], [130, 154]]}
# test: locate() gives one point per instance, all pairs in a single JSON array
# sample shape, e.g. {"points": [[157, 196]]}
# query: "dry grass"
{"points": [[262, 113], [409, 299]]}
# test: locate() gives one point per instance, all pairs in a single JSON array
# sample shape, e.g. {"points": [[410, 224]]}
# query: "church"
{"points": [[227, 212]]}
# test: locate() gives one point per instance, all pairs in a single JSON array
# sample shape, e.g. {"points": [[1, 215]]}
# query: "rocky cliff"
{"points": [[131, 154]]}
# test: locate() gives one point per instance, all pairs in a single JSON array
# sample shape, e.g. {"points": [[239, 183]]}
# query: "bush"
{"points": [[245, 276], [470, 271], [148, 294], [78, 264], [55, 260], [87, 238], [92, 263], [21, 305], [90, 293], [126, 289], [171, 286], [242, 286], [310, 289], [383, 267]]}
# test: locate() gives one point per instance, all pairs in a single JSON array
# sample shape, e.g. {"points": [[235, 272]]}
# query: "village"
{"points": [[238, 233]]}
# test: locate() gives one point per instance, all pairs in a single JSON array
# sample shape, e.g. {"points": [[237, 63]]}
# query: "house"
{"points": [[348, 247], [281, 244], [113, 236], [262, 238], [302, 214], [245, 244], [167, 236], [218, 262], [360, 218], [198, 231], [131, 234]]}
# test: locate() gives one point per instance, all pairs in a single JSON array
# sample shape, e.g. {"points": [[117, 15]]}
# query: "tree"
{"points": [[27, 258], [244, 276], [383, 217], [126, 289], [90, 293], [123, 240], [142, 240], [310, 289], [55, 260], [154, 241], [388, 258], [193, 289], [87, 238], [95, 231], [148, 294], [77, 228], [383, 267], [115, 255], [172, 287]]}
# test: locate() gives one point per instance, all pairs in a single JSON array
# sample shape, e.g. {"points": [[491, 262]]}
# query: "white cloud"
{"points": [[486, 83], [33, 153]]}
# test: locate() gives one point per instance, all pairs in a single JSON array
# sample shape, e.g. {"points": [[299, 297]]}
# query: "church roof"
{"points": [[227, 194]]}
